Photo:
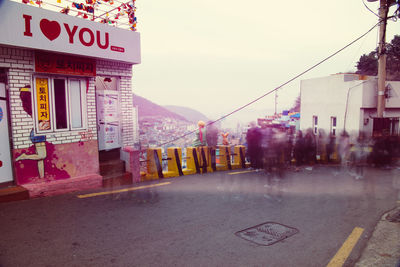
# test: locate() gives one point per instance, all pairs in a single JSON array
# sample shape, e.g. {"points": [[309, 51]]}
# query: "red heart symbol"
{"points": [[51, 29]]}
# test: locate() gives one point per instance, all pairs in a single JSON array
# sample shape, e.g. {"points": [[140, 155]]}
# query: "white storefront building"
{"points": [[347, 102], [65, 95]]}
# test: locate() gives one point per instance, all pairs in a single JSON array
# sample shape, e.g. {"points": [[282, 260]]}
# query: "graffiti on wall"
{"points": [[39, 141], [43, 161]]}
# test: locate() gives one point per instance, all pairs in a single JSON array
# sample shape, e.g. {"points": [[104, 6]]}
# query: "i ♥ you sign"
{"points": [[30, 27], [50, 29], [87, 37]]}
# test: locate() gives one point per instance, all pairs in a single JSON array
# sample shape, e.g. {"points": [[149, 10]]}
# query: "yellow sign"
{"points": [[42, 97]]}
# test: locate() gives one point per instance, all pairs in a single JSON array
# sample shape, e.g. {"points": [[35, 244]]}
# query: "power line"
{"points": [[370, 9], [280, 86]]}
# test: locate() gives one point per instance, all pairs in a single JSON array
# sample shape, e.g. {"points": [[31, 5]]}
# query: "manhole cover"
{"points": [[266, 234]]}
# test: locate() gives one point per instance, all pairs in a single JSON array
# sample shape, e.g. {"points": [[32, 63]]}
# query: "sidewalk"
{"points": [[383, 248]]}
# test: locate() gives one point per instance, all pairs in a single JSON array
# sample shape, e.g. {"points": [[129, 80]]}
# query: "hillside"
{"points": [[149, 109], [189, 113]]}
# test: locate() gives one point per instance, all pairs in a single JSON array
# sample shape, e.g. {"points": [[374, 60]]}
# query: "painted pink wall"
{"points": [[63, 161]]}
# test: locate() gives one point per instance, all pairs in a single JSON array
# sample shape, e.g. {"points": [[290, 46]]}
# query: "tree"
{"points": [[296, 105], [368, 64], [393, 59]]}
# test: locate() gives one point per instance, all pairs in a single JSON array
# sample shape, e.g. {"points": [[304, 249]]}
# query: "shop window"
{"points": [[315, 124], [59, 104], [333, 126], [76, 104]]}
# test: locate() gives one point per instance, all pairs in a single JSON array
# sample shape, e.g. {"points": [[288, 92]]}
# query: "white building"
{"points": [[347, 102]]}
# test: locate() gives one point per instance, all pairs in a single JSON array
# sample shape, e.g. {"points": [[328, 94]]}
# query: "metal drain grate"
{"points": [[267, 233]]}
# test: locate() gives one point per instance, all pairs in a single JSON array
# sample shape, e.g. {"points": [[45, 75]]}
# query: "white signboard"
{"points": [[108, 119], [33, 27]]}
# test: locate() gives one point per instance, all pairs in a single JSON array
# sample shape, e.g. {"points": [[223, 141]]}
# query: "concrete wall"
{"points": [[394, 100], [326, 97]]}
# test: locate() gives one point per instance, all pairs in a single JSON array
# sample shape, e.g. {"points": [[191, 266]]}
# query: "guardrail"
{"points": [[198, 160]]}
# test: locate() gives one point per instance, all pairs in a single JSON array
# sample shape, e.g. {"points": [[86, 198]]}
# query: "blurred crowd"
{"points": [[275, 149]]}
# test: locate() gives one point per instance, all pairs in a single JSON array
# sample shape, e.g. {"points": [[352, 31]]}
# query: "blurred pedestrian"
{"points": [[201, 137], [212, 142], [344, 149], [359, 155], [299, 150], [330, 148], [255, 153], [211, 135], [310, 147]]}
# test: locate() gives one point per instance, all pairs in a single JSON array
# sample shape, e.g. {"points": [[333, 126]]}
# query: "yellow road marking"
{"points": [[232, 173], [345, 250], [121, 190]]}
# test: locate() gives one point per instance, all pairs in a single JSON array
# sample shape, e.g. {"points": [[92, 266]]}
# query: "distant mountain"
{"points": [[189, 113], [147, 108]]}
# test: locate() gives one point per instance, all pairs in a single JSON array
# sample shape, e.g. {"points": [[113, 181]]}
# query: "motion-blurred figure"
{"points": [[255, 153], [201, 139]]}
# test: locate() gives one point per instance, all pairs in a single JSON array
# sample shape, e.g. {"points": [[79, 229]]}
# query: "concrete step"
{"points": [[13, 193], [112, 167], [108, 155], [117, 180]]}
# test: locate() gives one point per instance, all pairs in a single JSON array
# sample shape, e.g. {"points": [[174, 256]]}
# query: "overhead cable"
{"points": [[280, 86]]}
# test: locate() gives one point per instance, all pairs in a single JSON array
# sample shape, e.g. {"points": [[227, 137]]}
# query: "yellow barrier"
{"points": [[174, 155], [239, 160], [224, 158], [154, 164], [204, 159], [192, 161], [198, 160], [212, 159]]}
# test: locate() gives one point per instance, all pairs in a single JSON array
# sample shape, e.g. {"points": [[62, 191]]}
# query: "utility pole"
{"points": [[383, 11], [276, 100]]}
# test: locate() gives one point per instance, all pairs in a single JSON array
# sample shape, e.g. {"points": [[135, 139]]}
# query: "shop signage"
{"points": [[37, 28], [60, 64], [43, 103]]}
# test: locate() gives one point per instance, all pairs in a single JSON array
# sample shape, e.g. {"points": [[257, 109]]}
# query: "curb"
{"points": [[383, 248]]}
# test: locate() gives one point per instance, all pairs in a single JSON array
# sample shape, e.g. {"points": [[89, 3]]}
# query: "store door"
{"points": [[108, 125], [5, 157]]}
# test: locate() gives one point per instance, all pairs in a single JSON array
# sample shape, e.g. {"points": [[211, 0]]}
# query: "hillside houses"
{"points": [[156, 131]]}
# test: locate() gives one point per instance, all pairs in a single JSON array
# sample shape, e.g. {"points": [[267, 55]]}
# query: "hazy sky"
{"points": [[217, 55]]}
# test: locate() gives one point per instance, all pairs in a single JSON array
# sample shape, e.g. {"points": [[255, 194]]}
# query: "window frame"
{"points": [[333, 127], [315, 124], [83, 103], [52, 106]]}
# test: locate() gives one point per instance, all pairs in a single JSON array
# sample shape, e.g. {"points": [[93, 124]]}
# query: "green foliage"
{"points": [[368, 64], [296, 105]]}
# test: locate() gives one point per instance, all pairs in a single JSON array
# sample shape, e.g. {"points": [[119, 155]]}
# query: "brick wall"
{"points": [[20, 65]]}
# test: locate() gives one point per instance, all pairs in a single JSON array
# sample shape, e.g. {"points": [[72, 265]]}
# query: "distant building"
{"points": [[348, 102]]}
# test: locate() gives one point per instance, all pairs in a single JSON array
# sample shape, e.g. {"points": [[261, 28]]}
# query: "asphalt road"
{"points": [[192, 221]]}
